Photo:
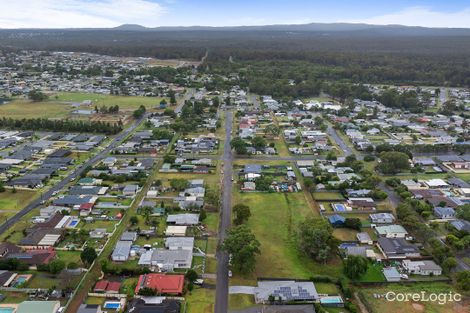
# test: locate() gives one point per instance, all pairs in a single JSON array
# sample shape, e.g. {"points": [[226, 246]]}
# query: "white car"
{"points": [[230, 273]]}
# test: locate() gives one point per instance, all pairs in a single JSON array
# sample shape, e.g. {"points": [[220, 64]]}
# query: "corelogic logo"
{"points": [[423, 296]]}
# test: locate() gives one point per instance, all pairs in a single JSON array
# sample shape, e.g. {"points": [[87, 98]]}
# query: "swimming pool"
{"points": [[19, 281], [73, 223], [112, 305], [7, 310], [335, 300], [339, 207]]}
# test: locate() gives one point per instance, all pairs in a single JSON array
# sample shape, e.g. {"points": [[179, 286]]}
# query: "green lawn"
{"points": [[240, 302], [10, 202], [373, 274], [69, 256], [125, 103], [326, 195], [200, 300], [20, 108], [274, 219]]}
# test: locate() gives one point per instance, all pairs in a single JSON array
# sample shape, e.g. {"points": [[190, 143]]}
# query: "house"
{"points": [[425, 267], [179, 243], [34, 257], [177, 231], [285, 291], [336, 220], [391, 274], [167, 260], [461, 225], [98, 233], [130, 190], [188, 219], [363, 251], [165, 306], [89, 308], [249, 186], [52, 210], [362, 203], [38, 307], [129, 236], [121, 251], [444, 213], [364, 237], [162, 283], [391, 231], [436, 183], [397, 248], [382, 218], [252, 169]]}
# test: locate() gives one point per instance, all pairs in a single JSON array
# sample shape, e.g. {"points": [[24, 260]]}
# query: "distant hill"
{"points": [[364, 29]]}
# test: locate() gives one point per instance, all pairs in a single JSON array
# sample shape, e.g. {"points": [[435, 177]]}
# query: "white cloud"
{"points": [[78, 13], [422, 16]]}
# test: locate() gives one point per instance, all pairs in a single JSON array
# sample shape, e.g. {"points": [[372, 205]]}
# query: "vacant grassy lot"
{"points": [[274, 219], [125, 103], [382, 305], [20, 108], [240, 302], [200, 300], [327, 195], [10, 202]]}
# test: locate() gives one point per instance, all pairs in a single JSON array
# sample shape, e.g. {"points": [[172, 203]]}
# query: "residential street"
{"points": [[74, 174], [221, 297]]}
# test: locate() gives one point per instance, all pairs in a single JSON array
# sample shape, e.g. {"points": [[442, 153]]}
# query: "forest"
{"points": [[268, 57]]}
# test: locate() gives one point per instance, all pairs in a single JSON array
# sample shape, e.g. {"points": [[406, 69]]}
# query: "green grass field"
{"points": [[125, 103], [10, 202], [20, 108], [326, 195], [274, 219], [200, 300]]}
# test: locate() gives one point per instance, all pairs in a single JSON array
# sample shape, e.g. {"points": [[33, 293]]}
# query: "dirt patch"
{"points": [[418, 307]]}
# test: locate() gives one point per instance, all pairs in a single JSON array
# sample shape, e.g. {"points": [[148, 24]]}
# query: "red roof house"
{"points": [[101, 286], [162, 283], [113, 287]]}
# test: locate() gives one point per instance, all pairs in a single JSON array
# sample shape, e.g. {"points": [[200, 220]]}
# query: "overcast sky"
{"points": [[151, 13]]}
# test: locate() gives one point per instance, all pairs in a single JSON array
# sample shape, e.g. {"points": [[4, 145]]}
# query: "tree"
{"points": [[272, 130], [243, 247], [139, 112], [56, 266], [449, 264], [191, 275], [315, 238], [393, 162], [242, 213], [353, 223], [88, 255], [463, 212], [179, 184], [355, 266], [134, 220], [147, 292], [463, 280], [258, 142], [169, 159], [239, 145], [37, 95]]}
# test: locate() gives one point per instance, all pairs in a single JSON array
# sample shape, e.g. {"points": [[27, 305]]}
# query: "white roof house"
{"points": [[391, 231]]}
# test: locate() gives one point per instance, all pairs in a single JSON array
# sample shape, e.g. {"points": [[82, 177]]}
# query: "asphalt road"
{"points": [[221, 296], [332, 132], [74, 174]]}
